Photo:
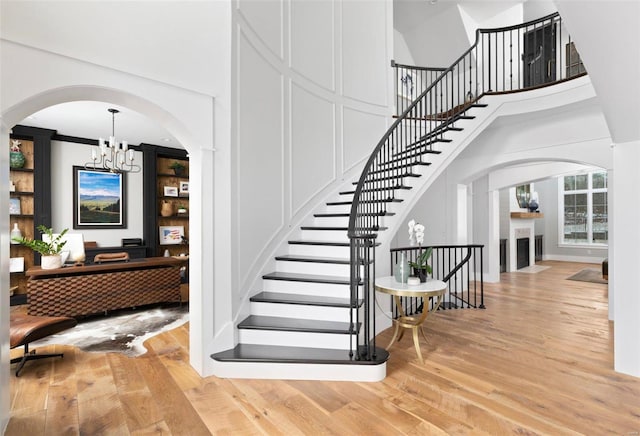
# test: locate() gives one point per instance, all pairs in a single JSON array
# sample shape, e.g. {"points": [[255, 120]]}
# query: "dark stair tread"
{"points": [[334, 228], [313, 278], [301, 299], [386, 188], [382, 200], [404, 165], [479, 105], [395, 177], [259, 322], [422, 143], [281, 354], [325, 243], [346, 214], [465, 117], [414, 154], [314, 259]]}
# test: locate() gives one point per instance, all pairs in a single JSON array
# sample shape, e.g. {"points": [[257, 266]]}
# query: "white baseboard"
{"points": [[582, 259]]}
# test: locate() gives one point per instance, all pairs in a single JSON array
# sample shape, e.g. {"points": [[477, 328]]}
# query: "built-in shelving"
{"points": [[32, 187], [158, 176]]}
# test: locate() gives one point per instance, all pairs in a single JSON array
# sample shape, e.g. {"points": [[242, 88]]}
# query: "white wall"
{"points": [[428, 44], [64, 155], [126, 36], [625, 252], [312, 98], [401, 52]]}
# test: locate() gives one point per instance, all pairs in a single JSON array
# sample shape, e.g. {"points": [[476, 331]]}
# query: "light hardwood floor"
{"points": [[538, 360]]}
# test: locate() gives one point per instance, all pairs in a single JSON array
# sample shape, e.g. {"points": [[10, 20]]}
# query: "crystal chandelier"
{"points": [[112, 156]]}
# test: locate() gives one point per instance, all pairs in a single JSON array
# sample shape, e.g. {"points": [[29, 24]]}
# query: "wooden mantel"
{"points": [[527, 215]]}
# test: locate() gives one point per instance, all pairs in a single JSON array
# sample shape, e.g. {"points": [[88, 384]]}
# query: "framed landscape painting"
{"points": [[98, 199]]}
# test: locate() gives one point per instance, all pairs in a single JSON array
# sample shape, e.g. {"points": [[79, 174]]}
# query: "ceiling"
{"points": [[90, 119]]}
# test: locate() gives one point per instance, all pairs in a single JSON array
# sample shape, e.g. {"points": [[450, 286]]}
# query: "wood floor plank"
{"points": [[27, 424], [222, 408], [157, 429], [62, 409], [140, 410], [178, 413], [102, 415], [538, 360]]}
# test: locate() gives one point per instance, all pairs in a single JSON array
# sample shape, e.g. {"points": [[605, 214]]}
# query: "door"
{"points": [[539, 57]]}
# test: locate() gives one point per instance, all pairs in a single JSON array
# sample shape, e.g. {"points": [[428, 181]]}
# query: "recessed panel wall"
{"points": [[364, 57], [312, 41], [265, 19], [260, 151], [361, 132], [312, 145]]}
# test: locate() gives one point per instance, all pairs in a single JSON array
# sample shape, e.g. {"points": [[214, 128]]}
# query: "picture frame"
{"points": [[99, 199], [170, 191], [184, 189], [14, 206], [171, 235], [407, 83]]}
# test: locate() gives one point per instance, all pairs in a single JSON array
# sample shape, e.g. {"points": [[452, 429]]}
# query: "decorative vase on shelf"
{"points": [[401, 269], [166, 209], [15, 234], [16, 159]]}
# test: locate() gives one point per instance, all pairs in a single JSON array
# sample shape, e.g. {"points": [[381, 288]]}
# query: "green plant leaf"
{"points": [[54, 246]]}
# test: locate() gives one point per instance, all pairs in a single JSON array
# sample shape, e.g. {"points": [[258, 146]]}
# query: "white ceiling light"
{"points": [[115, 157]]}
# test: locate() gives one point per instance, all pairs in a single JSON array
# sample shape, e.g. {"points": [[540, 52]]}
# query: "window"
{"points": [[584, 203]]}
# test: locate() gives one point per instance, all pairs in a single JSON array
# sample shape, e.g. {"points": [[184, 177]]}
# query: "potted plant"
{"points": [[420, 267], [177, 167], [49, 249], [182, 209]]}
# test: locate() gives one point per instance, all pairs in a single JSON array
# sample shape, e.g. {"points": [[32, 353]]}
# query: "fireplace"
{"points": [[522, 252]]}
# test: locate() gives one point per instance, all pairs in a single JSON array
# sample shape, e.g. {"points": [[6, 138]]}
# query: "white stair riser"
{"points": [[306, 288], [298, 371], [332, 292], [329, 269], [294, 339], [341, 208], [331, 221], [301, 311], [324, 235], [319, 250]]}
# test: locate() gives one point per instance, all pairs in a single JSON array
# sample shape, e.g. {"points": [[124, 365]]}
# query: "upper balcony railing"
{"points": [[430, 103], [508, 59]]}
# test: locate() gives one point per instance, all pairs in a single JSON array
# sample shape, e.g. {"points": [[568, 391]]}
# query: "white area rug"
{"points": [[122, 331], [533, 269]]}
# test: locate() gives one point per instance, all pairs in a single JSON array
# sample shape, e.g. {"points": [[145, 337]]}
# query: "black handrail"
{"points": [[486, 67], [458, 281]]}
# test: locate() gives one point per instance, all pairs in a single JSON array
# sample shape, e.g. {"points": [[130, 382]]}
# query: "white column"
{"points": [[4, 282], [492, 245], [624, 220]]}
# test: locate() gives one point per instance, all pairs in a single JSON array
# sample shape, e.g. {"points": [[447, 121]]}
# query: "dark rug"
{"points": [[592, 275], [121, 331]]}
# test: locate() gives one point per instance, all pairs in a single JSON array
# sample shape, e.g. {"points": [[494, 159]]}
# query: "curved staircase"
{"points": [[314, 316]]}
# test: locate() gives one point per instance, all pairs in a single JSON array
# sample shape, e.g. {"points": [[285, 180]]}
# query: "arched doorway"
{"points": [[175, 123]]}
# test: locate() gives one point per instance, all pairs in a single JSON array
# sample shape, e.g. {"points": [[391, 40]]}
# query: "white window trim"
{"points": [[561, 191]]}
